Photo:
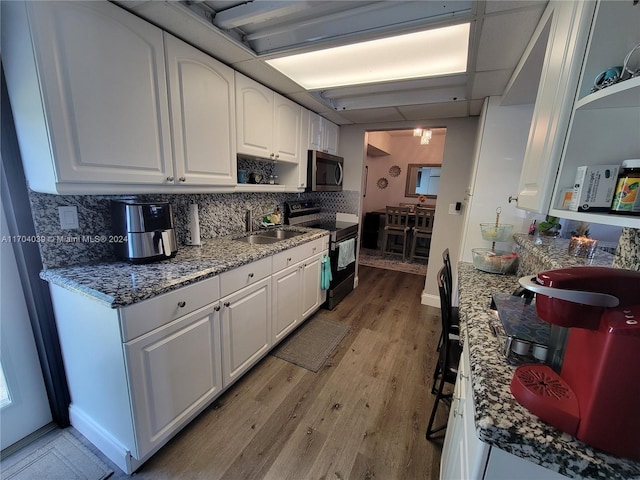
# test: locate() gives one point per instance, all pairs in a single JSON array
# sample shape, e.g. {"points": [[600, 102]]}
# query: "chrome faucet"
{"points": [[249, 221]]}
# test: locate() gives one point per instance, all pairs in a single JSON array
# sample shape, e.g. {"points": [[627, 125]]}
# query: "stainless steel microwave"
{"points": [[325, 172]]}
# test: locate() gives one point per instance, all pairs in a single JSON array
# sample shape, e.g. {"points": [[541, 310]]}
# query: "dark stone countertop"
{"points": [[118, 284], [500, 420]]}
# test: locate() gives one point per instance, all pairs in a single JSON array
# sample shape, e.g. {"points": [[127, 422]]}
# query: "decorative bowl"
{"points": [[496, 261], [496, 233]]}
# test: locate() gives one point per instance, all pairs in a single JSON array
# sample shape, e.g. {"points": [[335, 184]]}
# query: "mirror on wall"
{"points": [[422, 179]]}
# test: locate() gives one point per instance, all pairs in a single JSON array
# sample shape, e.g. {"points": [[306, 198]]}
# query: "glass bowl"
{"points": [[496, 261], [496, 233]]}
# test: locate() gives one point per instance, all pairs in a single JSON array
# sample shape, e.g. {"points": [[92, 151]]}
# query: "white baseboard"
{"points": [[117, 453], [428, 299]]}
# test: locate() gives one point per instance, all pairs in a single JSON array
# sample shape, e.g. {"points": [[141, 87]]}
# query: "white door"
{"points": [[287, 129], [24, 407], [286, 301], [254, 117], [104, 84], [311, 291], [246, 328], [175, 371], [203, 115]]}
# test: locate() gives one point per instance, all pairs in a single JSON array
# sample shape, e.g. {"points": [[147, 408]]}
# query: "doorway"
{"points": [[24, 406], [395, 161]]}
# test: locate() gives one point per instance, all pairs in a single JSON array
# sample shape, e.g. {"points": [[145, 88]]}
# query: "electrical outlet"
{"points": [[452, 209], [68, 217]]}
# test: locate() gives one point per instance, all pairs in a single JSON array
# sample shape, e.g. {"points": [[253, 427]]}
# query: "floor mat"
{"points": [[313, 343], [62, 458]]}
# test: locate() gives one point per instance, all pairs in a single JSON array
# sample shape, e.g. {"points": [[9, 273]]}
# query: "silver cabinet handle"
{"points": [[182, 304], [513, 199], [182, 179], [217, 308], [251, 275], [227, 304], [169, 179]]}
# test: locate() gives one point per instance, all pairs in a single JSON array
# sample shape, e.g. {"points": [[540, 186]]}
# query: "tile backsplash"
{"points": [[220, 214]]}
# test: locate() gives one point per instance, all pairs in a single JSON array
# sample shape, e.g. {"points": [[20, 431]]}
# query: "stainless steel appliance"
{"points": [[325, 172], [341, 235], [147, 231]]}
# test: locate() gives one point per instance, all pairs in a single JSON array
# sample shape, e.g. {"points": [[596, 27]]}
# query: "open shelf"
{"points": [[623, 94], [601, 218]]}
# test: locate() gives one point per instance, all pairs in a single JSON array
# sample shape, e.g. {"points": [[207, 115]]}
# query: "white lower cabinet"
{"points": [[140, 373], [312, 294], [297, 291], [287, 302], [246, 329], [465, 456], [174, 371]]}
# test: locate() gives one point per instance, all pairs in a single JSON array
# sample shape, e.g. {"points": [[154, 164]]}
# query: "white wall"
{"points": [[456, 172], [497, 167]]}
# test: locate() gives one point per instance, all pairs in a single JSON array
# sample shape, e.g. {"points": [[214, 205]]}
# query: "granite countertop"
{"points": [[118, 284], [499, 419]]}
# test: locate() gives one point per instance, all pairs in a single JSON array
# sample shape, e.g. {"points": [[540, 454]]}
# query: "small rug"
{"points": [[63, 458], [373, 258], [313, 343]]}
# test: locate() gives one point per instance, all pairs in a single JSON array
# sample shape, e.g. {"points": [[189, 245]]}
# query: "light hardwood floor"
{"points": [[362, 416]]}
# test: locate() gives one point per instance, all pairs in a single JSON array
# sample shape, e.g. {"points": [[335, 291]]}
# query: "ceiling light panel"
{"points": [[429, 53]]}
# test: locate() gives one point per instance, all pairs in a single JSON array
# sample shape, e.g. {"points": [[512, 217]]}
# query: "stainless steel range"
{"points": [[343, 237]]}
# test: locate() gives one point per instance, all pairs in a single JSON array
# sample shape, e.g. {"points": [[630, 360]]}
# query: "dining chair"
{"points": [[411, 206], [422, 229], [397, 227], [454, 313], [446, 369]]}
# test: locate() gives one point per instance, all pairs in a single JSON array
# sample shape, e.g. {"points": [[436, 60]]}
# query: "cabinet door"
{"points": [[203, 116], [104, 92], [331, 137], [246, 329], [254, 111], [311, 291], [287, 301], [568, 31], [287, 129], [174, 371], [316, 140], [453, 462]]}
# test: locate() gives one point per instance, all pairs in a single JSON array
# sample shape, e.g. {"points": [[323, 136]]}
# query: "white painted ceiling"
{"points": [[245, 34]]}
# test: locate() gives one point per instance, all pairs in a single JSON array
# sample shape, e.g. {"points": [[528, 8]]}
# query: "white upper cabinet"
{"points": [[268, 125], [202, 100], [567, 26], [323, 134], [572, 126], [605, 124], [88, 87]]}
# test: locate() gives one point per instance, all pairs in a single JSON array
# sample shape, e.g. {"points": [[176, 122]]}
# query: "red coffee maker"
{"points": [[596, 396]]}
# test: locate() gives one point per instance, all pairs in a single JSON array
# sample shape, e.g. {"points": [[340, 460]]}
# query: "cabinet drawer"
{"points": [[140, 318], [296, 254], [240, 277]]}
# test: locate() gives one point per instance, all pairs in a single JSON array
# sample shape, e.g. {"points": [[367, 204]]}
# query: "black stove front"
{"points": [[343, 245]]}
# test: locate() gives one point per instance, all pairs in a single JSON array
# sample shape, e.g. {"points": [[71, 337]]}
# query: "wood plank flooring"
{"points": [[362, 416]]}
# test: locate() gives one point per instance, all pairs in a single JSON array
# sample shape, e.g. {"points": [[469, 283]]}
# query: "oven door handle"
{"points": [[334, 245]]}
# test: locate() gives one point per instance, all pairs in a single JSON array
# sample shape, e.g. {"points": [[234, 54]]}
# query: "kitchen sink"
{"points": [[257, 240], [279, 234]]}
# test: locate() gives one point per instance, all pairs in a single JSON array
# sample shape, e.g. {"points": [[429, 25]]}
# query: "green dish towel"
{"points": [[326, 276]]}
